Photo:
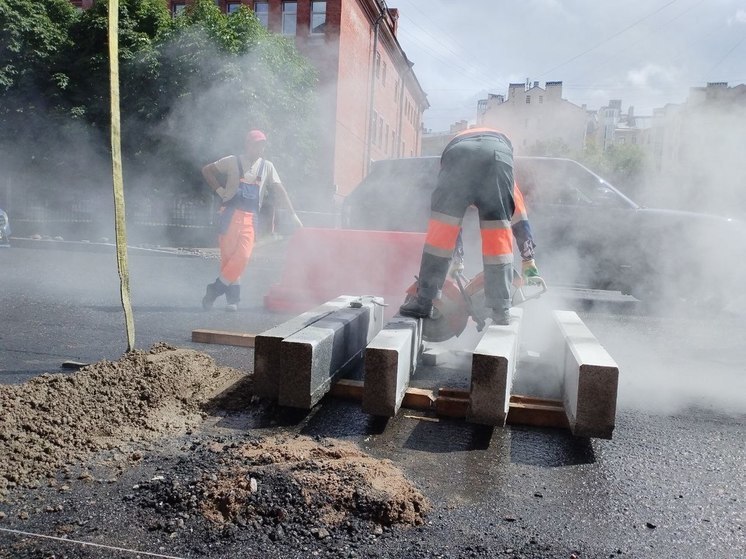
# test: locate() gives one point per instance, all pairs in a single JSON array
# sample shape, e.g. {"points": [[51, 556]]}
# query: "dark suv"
{"points": [[588, 233]]}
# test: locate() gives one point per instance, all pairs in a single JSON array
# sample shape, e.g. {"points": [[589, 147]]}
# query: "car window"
{"points": [[565, 183]]}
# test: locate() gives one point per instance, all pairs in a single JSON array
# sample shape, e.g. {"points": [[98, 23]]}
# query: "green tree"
{"points": [[190, 88], [33, 40]]}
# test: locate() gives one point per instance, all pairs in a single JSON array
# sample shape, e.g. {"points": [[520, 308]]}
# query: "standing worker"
{"points": [[476, 169], [249, 178]]}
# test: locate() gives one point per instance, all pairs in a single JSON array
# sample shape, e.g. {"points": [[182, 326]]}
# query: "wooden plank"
{"points": [[453, 393], [447, 406], [454, 403], [223, 338], [418, 399], [537, 412], [347, 388]]}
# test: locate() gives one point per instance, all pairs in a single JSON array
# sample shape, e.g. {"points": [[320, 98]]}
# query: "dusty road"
{"points": [[671, 483]]}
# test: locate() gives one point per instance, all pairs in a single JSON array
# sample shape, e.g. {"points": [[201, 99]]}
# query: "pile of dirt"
{"points": [[281, 487], [58, 419], [334, 479]]}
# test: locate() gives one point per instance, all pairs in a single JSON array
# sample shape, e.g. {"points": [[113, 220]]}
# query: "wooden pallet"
{"points": [[452, 402]]}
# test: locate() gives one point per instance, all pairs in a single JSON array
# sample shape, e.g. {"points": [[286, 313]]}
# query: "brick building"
{"points": [[371, 103]]}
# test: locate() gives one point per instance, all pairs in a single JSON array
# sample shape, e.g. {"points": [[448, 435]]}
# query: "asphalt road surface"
{"points": [[671, 482]]}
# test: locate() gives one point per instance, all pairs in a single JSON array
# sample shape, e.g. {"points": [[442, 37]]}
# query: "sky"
{"points": [[645, 52]]}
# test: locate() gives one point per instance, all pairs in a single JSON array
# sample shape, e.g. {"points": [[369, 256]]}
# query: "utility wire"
{"points": [[639, 45], [458, 68], [609, 38], [726, 55], [79, 542]]}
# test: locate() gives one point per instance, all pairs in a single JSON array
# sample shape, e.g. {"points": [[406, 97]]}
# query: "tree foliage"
{"points": [[190, 87]]}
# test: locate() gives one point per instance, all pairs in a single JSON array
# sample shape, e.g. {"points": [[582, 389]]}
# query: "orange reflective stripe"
{"points": [[441, 235], [497, 242], [520, 204]]}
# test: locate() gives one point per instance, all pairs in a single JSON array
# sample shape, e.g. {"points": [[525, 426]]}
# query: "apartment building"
{"points": [[532, 115]]}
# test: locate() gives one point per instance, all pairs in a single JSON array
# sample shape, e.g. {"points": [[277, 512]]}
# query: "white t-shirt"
{"points": [[229, 167]]}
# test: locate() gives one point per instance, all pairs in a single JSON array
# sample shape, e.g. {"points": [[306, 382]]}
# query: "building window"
{"points": [[383, 75], [386, 147], [378, 64], [380, 131], [261, 9], [318, 18], [393, 143], [541, 99], [373, 127], [231, 7], [528, 99], [178, 7], [396, 91], [289, 17]]}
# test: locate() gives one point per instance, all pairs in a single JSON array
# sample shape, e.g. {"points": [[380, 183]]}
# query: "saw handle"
{"points": [[533, 281]]}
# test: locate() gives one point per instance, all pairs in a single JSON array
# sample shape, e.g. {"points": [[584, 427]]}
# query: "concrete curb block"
{"points": [[390, 361], [591, 378], [268, 356], [492, 370], [321, 352]]}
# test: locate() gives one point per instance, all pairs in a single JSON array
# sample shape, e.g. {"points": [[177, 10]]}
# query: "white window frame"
{"points": [[289, 17], [314, 14], [263, 15]]}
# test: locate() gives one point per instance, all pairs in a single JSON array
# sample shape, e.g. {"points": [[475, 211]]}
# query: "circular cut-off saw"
{"points": [[461, 299]]}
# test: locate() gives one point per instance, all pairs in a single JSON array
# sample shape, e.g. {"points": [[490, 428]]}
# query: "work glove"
{"points": [[530, 271]]}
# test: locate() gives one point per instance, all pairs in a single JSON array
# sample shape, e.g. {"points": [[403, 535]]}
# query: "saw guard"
{"points": [[450, 314]]}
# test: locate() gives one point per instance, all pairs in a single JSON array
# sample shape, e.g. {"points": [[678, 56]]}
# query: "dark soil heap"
{"points": [[329, 480], [274, 486], [59, 419]]}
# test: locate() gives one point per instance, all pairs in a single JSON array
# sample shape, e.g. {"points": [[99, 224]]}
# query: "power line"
{"points": [[634, 24], [726, 55], [466, 72], [653, 30]]}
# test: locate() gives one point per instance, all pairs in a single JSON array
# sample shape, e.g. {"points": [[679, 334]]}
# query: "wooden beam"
{"points": [[223, 338], [537, 412], [347, 388], [418, 399], [454, 403]]}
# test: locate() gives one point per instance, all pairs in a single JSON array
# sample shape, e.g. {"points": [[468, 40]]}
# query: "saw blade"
{"points": [[449, 318]]}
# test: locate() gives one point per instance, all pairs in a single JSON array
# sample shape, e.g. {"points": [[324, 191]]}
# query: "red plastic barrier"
{"points": [[322, 264]]}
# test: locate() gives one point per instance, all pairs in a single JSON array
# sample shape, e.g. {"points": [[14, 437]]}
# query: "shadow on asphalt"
{"points": [[342, 418], [448, 436], [549, 448]]}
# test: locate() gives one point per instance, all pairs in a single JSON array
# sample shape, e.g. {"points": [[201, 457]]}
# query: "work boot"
{"points": [[213, 291], [232, 296], [417, 307], [501, 317]]}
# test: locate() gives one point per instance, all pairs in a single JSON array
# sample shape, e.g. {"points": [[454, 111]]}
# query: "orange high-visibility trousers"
{"points": [[236, 246]]}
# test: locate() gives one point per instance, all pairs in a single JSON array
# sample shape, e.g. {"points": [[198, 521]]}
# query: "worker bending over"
{"points": [[476, 169]]}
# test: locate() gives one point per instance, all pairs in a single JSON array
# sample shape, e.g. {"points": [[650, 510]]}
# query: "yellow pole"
{"points": [[116, 160]]}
